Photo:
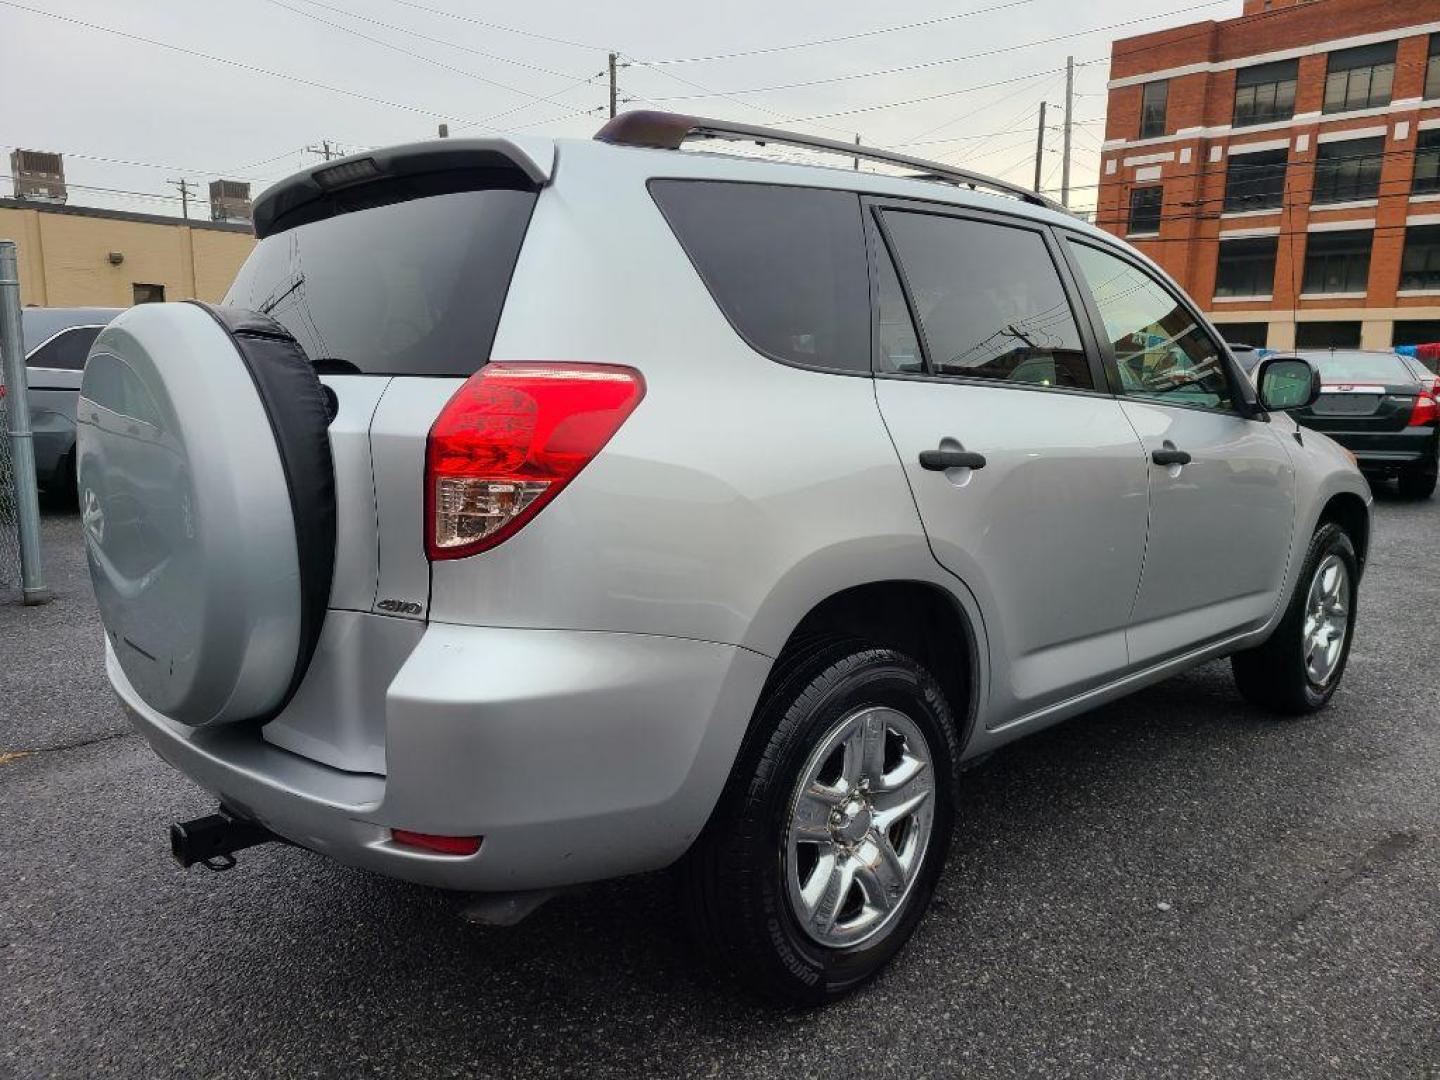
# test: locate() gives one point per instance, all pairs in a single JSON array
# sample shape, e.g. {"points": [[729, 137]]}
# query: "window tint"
{"points": [[409, 288], [785, 264], [66, 351], [1348, 170], [1153, 100], [989, 301], [1420, 265], [1265, 93], [1255, 181], [1145, 204], [1246, 267], [1360, 78], [1161, 351], [1337, 262], [899, 344]]}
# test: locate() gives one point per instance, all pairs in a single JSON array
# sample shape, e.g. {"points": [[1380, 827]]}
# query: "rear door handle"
{"points": [[940, 460], [1170, 456]]}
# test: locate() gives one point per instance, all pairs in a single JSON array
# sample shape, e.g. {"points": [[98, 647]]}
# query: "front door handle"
{"points": [[1170, 456], [940, 460]]}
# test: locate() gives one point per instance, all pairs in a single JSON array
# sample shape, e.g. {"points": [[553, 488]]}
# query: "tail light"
{"points": [[440, 845], [509, 440], [1424, 410]]}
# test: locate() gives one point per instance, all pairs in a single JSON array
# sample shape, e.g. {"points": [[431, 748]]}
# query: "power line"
{"points": [[590, 46], [927, 64], [842, 37]]}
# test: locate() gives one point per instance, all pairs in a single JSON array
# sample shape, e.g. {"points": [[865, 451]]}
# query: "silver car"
{"points": [[57, 341], [533, 512]]}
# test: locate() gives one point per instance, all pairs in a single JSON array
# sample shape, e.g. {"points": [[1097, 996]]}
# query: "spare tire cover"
{"points": [[208, 507]]}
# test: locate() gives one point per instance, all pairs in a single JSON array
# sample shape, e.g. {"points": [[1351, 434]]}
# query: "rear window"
{"points": [[1361, 367], [410, 288], [785, 264]]}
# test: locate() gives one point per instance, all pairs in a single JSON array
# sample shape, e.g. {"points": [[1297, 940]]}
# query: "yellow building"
{"points": [[79, 256]]}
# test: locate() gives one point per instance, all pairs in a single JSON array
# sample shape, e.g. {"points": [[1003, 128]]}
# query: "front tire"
{"points": [[1297, 670], [823, 852]]}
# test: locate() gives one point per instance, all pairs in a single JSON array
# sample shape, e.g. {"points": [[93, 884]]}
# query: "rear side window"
{"points": [[66, 351], [785, 264], [409, 288], [989, 301]]}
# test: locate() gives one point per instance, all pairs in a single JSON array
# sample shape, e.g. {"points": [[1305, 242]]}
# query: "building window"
{"points": [[1254, 334], [1144, 210], [1265, 93], [148, 294], [1360, 78], [1427, 163], [1337, 262], [1416, 332], [1327, 335], [1346, 171], [1246, 267], [1420, 265], [1153, 99], [1255, 181], [1432, 68]]}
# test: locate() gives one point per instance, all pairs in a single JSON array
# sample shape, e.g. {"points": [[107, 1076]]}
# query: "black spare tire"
{"points": [[207, 496]]}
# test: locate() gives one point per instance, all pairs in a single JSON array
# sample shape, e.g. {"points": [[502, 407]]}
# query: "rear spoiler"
{"points": [[398, 173]]}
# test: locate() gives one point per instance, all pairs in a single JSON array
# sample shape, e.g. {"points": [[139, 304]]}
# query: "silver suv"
{"points": [[534, 512]]}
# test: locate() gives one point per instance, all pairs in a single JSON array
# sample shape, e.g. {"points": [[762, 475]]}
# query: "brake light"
{"points": [[509, 440], [1423, 411], [440, 845]]}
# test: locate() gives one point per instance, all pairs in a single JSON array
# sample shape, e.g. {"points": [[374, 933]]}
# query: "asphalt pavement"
{"points": [[1174, 885]]}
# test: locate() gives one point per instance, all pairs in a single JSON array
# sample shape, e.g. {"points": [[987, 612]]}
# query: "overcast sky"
{"points": [[483, 67]]}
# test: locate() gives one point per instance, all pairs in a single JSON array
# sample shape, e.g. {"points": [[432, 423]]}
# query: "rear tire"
{"points": [[1297, 670], [824, 849], [1418, 482]]}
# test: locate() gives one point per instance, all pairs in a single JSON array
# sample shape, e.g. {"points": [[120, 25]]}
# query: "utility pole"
{"points": [[184, 186], [1069, 114], [1039, 147], [613, 91], [325, 150]]}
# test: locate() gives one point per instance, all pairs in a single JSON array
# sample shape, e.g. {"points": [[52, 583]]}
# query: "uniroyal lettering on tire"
{"points": [[207, 501]]}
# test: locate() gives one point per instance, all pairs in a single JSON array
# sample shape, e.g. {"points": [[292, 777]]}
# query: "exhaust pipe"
{"points": [[213, 840]]}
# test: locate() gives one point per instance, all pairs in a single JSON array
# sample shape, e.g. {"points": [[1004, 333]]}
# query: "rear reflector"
{"points": [[509, 440], [1424, 411], [440, 845]]}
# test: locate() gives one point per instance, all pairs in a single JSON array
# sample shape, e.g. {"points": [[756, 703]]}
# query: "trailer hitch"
{"points": [[213, 840]]}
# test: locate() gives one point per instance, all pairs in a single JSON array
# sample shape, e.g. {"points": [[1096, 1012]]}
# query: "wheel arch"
{"points": [[1350, 512]]}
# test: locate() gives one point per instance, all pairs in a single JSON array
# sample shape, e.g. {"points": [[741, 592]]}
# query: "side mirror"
{"points": [[1287, 382]]}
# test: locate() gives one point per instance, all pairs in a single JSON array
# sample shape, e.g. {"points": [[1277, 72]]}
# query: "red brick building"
{"points": [[1284, 166]]}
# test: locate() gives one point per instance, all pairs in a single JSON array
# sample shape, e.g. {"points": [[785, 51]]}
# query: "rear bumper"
{"points": [[576, 755], [1389, 451]]}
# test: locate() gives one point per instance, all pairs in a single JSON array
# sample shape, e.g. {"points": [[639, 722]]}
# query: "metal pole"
{"points": [[22, 443], [1069, 113], [857, 158], [612, 84], [1039, 147]]}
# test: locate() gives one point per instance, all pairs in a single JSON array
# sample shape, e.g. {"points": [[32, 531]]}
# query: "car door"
{"points": [[1222, 486], [1030, 483]]}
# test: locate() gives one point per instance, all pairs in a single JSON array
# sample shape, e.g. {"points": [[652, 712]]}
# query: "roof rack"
{"points": [[669, 131]]}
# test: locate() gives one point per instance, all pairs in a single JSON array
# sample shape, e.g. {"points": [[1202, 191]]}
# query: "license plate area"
{"points": [[1346, 404]]}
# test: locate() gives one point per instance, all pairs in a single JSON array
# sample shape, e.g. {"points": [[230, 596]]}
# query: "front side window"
{"points": [[1255, 181], [989, 301], [1427, 163], [1337, 262], [66, 351], [1347, 171], [1145, 205], [1360, 78], [1162, 353], [1265, 93], [785, 264], [1153, 100], [1246, 267], [1420, 265]]}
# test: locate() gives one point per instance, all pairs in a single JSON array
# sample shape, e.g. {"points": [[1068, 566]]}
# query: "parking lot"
{"points": [[1173, 885]]}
